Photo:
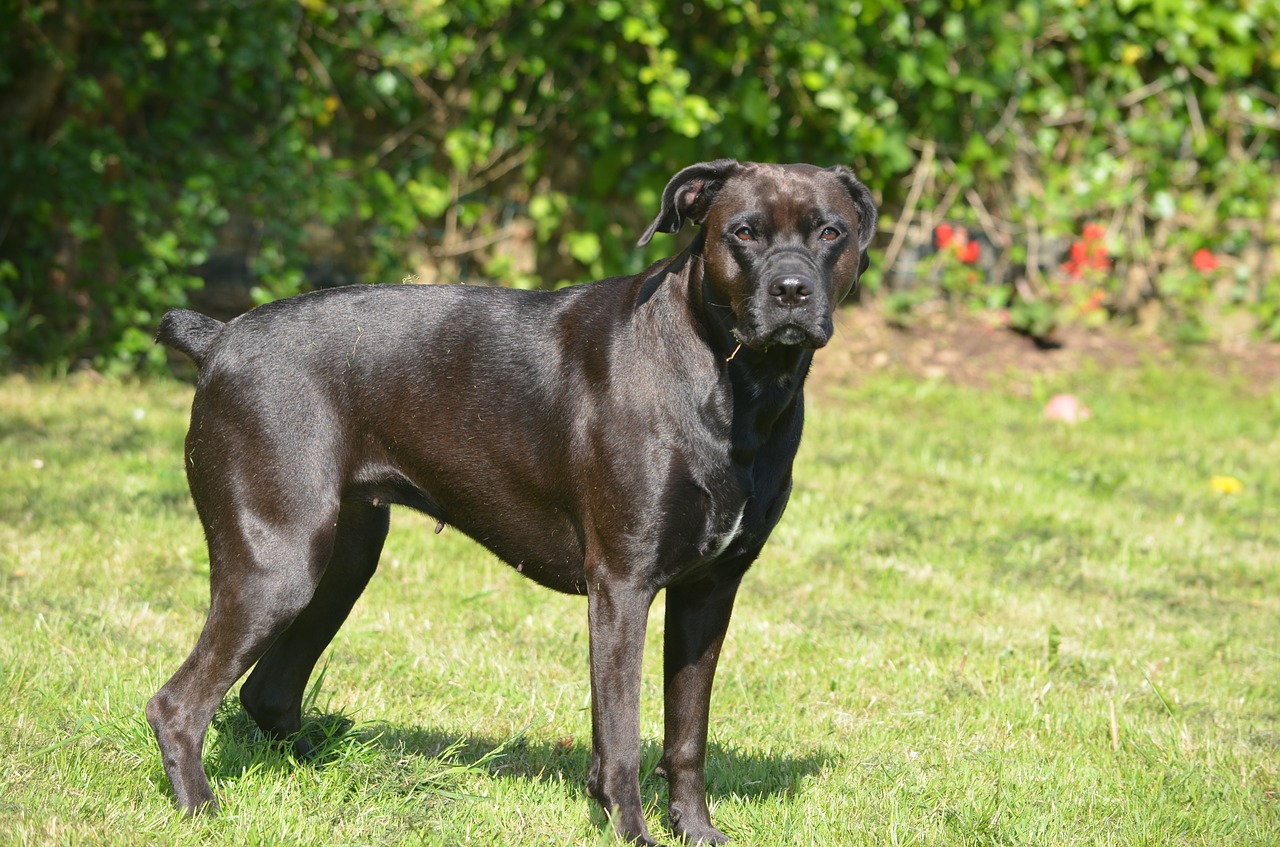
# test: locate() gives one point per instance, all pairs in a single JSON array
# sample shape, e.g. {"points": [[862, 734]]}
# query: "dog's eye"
{"points": [[829, 234], [744, 233]]}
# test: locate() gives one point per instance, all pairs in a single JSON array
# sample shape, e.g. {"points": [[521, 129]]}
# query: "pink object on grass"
{"points": [[1066, 408]]}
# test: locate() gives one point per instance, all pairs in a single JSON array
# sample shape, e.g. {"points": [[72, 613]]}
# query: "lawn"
{"points": [[974, 626]]}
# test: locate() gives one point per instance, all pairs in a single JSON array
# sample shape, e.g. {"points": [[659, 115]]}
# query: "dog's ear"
{"points": [[689, 195], [866, 206]]}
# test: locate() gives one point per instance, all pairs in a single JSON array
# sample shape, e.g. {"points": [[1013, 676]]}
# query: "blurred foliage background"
{"points": [[224, 153]]}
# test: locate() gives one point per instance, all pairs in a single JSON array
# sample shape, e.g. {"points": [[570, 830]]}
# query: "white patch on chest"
{"points": [[728, 537]]}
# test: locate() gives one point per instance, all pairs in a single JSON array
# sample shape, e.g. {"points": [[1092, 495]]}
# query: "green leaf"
{"points": [[583, 246]]}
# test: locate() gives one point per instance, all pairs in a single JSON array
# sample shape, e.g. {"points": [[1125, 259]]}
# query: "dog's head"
{"points": [[783, 243]]}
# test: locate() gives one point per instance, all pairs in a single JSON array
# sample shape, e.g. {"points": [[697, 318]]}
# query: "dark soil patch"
{"points": [[967, 350]]}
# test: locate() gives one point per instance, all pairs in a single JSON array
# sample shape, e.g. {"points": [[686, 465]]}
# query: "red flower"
{"points": [[1090, 252], [1204, 261], [968, 253], [942, 235]]}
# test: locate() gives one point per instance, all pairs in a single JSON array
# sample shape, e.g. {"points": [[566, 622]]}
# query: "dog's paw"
{"points": [[702, 835], [694, 829]]}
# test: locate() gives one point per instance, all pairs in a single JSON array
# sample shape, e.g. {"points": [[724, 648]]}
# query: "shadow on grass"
{"points": [[729, 771], [439, 757]]}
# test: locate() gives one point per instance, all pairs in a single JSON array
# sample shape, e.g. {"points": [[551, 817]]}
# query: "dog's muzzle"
{"points": [[789, 310]]}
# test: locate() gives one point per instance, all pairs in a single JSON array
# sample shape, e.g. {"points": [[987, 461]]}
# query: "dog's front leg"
{"points": [[617, 614], [697, 618]]}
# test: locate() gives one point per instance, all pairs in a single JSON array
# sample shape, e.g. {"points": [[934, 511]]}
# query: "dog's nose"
{"points": [[791, 289]]}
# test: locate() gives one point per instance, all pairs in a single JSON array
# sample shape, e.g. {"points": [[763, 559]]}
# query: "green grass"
{"points": [[972, 628]]}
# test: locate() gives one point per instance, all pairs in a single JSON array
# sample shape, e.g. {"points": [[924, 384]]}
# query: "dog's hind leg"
{"points": [[263, 573], [274, 691]]}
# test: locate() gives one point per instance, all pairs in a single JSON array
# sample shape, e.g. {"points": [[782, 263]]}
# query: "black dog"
{"points": [[612, 440]]}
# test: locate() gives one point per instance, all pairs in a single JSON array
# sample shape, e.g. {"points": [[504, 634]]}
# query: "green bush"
{"points": [[455, 136]]}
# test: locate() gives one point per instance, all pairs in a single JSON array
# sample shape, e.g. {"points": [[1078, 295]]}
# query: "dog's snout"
{"points": [[791, 289]]}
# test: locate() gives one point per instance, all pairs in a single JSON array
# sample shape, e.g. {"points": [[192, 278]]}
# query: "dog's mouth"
{"points": [[791, 336], [785, 335]]}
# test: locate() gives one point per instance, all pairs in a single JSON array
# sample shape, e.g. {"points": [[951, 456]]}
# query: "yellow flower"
{"points": [[1131, 53], [1226, 485]]}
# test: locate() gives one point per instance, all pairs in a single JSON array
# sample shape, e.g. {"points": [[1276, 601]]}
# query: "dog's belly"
{"points": [[539, 541], [521, 526], [548, 553]]}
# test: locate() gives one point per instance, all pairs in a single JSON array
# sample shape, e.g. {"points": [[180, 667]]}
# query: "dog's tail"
{"points": [[189, 332]]}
